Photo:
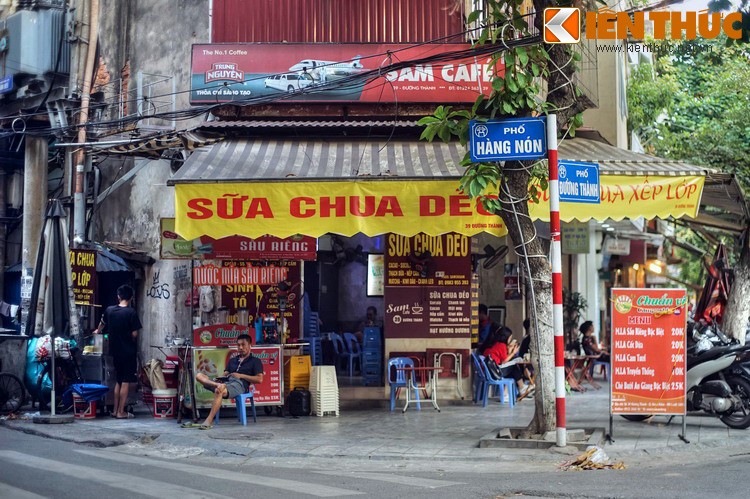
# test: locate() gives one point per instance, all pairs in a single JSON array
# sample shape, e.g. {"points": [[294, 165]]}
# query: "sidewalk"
{"points": [[424, 436]]}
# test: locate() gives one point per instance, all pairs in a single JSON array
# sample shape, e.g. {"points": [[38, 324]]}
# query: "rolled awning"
{"points": [[253, 187]]}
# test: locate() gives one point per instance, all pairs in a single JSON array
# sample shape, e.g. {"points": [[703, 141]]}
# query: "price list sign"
{"points": [[427, 290], [648, 351]]}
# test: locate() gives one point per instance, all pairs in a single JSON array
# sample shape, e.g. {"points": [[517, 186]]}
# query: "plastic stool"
{"points": [[511, 385], [239, 402]]}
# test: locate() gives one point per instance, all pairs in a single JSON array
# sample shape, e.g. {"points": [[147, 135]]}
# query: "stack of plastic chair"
{"points": [[339, 348], [297, 372], [314, 350], [502, 384], [353, 353], [397, 379], [324, 390], [311, 324], [372, 357]]}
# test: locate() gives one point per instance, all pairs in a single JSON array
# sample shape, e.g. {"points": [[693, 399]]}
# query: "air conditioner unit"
{"points": [[35, 41]]}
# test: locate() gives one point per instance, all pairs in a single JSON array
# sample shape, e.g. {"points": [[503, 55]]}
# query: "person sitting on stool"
{"points": [[241, 370], [501, 348]]}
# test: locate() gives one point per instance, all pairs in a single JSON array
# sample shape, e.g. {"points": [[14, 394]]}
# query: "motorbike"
{"points": [[717, 377]]}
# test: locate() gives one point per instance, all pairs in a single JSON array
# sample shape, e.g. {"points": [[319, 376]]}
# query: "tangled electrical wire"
{"points": [[344, 84]]}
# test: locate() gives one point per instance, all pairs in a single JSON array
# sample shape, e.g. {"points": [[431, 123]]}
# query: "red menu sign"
{"points": [[212, 362], [648, 351], [269, 392], [428, 286]]}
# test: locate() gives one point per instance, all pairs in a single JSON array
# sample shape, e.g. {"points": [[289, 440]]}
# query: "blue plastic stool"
{"points": [[239, 402], [606, 366]]}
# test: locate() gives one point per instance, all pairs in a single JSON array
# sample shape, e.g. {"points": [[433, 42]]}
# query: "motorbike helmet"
{"points": [[703, 345]]}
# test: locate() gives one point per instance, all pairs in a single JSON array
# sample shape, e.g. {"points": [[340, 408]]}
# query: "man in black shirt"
{"points": [[241, 370], [122, 324]]}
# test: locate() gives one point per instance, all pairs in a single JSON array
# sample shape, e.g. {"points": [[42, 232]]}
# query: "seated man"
{"points": [[241, 370], [371, 320]]}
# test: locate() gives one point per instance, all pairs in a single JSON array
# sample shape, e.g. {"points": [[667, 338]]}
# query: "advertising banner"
{"points": [[83, 266], [243, 275], [295, 247], [220, 335], [648, 351], [264, 299], [337, 72], [213, 361], [428, 286], [405, 207]]}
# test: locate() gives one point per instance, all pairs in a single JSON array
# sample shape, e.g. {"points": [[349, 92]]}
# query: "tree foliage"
{"points": [[694, 105], [530, 79], [704, 121]]}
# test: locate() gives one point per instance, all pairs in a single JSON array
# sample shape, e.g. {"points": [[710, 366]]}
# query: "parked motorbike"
{"points": [[717, 378]]}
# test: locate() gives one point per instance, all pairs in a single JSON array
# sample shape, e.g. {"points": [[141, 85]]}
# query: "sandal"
{"points": [[129, 415], [190, 425], [205, 427]]}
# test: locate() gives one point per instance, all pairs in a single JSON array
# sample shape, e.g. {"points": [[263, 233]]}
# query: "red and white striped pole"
{"points": [[557, 308]]}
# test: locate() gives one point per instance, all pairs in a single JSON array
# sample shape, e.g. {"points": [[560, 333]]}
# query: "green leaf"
{"points": [[473, 16], [507, 108], [511, 84], [498, 85], [535, 69], [522, 55], [477, 103], [444, 133], [427, 120]]}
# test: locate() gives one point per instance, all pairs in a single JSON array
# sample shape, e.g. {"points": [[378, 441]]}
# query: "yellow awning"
{"points": [[258, 187]]}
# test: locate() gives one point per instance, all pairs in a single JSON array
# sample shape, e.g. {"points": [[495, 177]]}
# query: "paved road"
{"points": [[33, 467]]}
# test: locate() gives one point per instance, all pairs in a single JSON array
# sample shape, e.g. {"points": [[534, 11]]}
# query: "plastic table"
{"points": [[430, 384]]}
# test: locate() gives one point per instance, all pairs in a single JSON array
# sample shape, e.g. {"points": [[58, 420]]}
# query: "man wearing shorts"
{"points": [[241, 370], [121, 323]]}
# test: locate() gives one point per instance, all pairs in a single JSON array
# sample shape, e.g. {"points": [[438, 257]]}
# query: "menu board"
{"points": [[428, 286], [213, 361], [648, 351], [83, 267]]}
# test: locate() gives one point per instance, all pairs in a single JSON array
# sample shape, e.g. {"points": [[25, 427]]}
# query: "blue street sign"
{"points": [[507, 139], [579, 182], [6, 84]]}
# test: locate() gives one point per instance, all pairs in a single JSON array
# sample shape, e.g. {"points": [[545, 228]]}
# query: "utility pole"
{"points": [[34, 202]]}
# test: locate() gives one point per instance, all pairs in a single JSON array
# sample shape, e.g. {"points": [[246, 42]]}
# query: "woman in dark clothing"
{"points": [[501, 348], [589, 343]]}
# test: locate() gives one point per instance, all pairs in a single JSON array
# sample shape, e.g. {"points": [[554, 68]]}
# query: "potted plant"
{"points": [[573, 305]]}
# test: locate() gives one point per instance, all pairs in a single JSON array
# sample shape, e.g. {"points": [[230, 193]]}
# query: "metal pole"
{"points": [[557, 310], [53, 397]]}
